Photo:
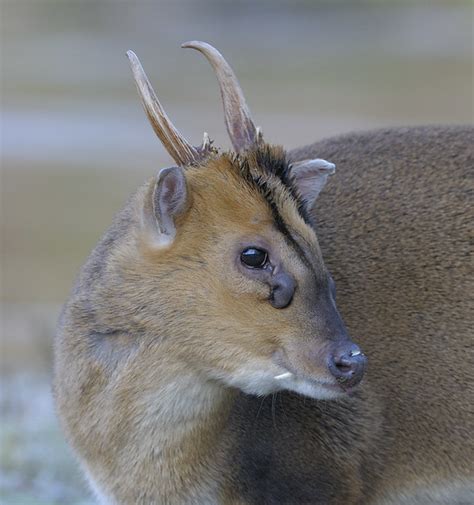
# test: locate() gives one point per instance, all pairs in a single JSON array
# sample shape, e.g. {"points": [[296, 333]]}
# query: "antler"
{"points": [[176, 145], [242, 131]]}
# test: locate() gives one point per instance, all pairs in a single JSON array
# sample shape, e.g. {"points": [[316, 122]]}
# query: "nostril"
{"points": [[343, 367], [347, 365]]}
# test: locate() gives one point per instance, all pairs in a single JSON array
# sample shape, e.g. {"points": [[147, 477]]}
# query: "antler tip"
{"points": [[239, 123], [195, 44], [134, 61]]}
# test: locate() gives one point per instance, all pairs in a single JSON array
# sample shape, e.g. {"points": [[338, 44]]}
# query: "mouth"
{"points": [[319, 381], [316, 388]]}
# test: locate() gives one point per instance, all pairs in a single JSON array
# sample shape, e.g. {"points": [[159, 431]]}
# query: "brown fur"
{"points": [[395, 227], [156, 345]]}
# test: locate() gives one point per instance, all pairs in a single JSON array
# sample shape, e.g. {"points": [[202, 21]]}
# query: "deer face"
{"points": [[250, 301], [244, 295]]}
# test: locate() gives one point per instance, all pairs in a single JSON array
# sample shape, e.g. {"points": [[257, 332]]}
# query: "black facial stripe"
{"points": [[266, 160], [279, 167], [301, 253], [263, 169], [279, 221], [282, 227]]}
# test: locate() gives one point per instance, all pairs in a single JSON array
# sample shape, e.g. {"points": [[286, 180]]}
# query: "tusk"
{"points": [[285, 375]]}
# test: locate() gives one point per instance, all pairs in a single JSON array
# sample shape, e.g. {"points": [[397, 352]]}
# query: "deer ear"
{"points": [[166, 199], [310, 177]]}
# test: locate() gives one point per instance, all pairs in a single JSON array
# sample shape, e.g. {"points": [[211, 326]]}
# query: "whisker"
{"points": [[273, 411], [260, 408]]}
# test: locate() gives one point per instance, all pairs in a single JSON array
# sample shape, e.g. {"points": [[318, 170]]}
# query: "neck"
{"points": [[184, 402], [175, 438]]}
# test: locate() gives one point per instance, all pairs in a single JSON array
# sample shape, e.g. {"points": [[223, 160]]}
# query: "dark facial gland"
{"points": [[282, 285]]}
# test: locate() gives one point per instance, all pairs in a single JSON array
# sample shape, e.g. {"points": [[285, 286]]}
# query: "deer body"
{"points": [[201, 358]]}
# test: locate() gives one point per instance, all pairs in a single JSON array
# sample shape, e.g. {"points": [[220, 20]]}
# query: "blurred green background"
{"points": [[75, 142]]}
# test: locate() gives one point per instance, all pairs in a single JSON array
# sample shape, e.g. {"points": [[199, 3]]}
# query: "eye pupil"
{"points": [[254, 257]]}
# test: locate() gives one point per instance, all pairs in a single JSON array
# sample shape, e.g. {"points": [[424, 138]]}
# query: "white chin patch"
{"points": [[313, 390], [257, 381], [254, 382]]}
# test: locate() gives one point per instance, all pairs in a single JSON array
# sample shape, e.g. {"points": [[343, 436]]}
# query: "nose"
{"points": [[347, 364]]}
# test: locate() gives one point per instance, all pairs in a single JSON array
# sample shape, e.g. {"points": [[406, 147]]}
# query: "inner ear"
{"points": [[166, 199], [310, 177]]}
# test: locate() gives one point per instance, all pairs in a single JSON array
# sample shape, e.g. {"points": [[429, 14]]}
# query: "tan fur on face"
{"points": [[225, 211]]}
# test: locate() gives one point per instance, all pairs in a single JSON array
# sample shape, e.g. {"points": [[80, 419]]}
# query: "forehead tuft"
{"points": [[265, 160], [267, 170], [256, 182]]}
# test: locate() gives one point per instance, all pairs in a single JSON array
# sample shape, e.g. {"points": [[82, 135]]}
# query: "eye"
{"points": [[254, 257]]}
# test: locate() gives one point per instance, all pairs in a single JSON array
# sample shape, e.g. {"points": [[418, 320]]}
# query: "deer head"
{"points": [[229, 272]]}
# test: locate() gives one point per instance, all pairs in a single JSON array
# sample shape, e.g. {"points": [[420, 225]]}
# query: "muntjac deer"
{"points": [[201, 358]]}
